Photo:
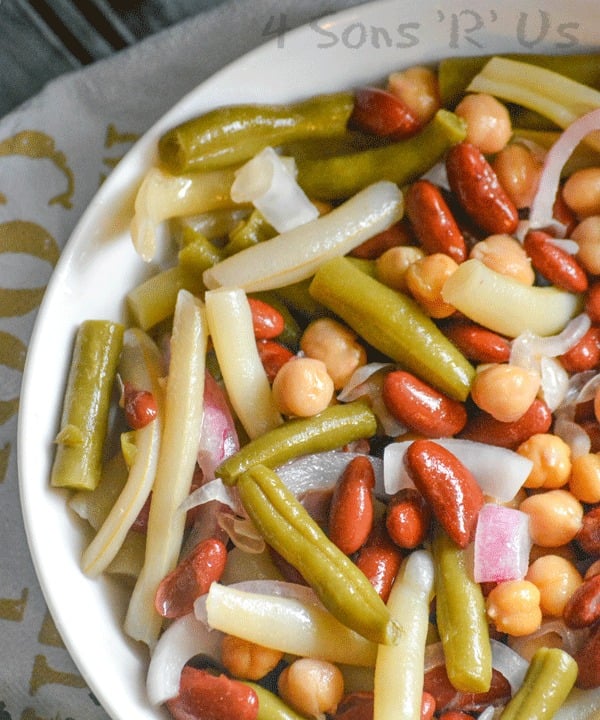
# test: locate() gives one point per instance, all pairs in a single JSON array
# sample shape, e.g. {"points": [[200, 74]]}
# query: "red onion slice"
{"points": [[502, 544]]}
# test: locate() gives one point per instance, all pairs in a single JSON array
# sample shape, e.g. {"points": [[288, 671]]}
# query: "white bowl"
{"points": [[341, 51]]}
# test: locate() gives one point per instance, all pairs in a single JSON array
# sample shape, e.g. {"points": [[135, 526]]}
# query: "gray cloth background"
{"points": [[127, 90]]}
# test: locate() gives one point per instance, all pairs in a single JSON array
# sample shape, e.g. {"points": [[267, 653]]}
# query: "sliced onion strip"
{"points": [[541, 214], [181, 641]]}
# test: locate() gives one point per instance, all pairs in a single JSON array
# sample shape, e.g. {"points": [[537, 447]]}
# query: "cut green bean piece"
{"points": [[461, 618], [84, 422], [394, 324], [455, 73], [289, 529], [253, 230], [402, 162], [550, 677], [333, 428], [232, 134]]}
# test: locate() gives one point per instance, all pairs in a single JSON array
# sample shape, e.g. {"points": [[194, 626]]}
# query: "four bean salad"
{"points": [[345, 448]]}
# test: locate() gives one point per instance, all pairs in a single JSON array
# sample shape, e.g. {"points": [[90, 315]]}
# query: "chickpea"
{"points": [[425, 280], [555, 517], [391, 265], [518, 172], [584, 483], [337, 346], [302, 387], [504, 254], [556, 579], [504, 391], [581, 192], [513, 607], [551, 458], [312, 687], [418, 88], [488, 122], [587, 235], [245, 659]]}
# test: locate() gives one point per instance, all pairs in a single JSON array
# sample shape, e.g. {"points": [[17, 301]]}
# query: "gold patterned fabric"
{"points": [[55, 151]]}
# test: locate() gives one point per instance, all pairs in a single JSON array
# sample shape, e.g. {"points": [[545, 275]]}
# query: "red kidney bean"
{"points": [[448, 486], [381, 113], [421, 407], [433, 222], [193, 576], [478, 191], [380, 560], [273, 356], [212, 697], [478, 343], [139, 406], [267, 321], [554, 263], [584, 355], [408, 518], [482, 427], [351, 510], [448, 699]]}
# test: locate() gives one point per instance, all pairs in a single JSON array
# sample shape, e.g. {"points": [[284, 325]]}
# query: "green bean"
{"points": [[271, 706], [197, 252], [298, 298], [340, 177], [461, 618], [84, 422], [230, 135], [549, 679], [253, 230], [331, 429], [394, 324], [289, 529], [455, 73]]}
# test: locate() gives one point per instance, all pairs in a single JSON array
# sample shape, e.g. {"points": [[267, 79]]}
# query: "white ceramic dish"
{"points": [[99, 265]]}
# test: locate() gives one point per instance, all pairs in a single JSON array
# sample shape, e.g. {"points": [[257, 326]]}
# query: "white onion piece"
{"points": [[573, 435], [502, 544], [212, 490], [266, 182], [500, 472], [367, 381], [488, 713], [354, 389], [567, 245], [527, 348], [570, 640], [242, 532], [589, 389], [554, 382], [509, 664], [320, 471], [580, 705], [182, 640], [541, 214]]}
